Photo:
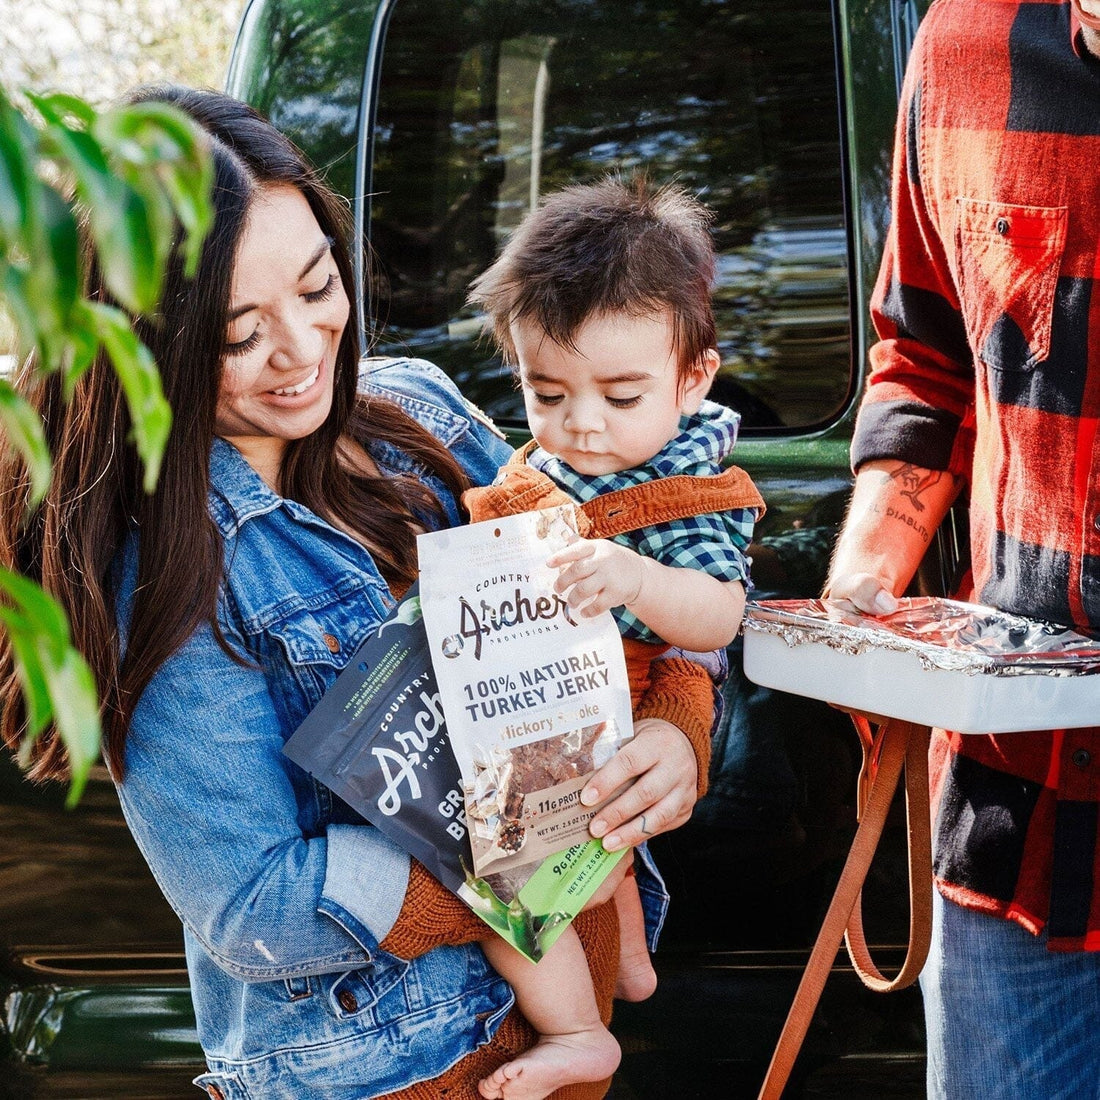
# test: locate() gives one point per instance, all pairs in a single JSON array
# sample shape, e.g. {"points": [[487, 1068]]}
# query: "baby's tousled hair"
{"points": [[609, 247]]}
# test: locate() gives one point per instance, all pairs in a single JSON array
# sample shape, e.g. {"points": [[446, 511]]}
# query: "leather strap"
{"points": [[897, 744], [919, 849]]}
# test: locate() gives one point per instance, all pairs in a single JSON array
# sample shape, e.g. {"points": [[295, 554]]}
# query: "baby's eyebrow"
{"points": [[628, 376]]}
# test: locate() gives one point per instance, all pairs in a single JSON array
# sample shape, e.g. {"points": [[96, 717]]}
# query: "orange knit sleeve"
{"points": [[430, 916], [682, 693]]}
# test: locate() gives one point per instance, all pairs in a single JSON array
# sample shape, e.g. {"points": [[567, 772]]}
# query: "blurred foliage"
{"points": [[130, 175], [97, 49]]}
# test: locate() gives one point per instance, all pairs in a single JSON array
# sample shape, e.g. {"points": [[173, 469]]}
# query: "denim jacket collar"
{"points": [[237, 492]]}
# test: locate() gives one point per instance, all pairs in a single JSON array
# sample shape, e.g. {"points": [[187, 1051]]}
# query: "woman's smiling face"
{"points": [[287, 312]]}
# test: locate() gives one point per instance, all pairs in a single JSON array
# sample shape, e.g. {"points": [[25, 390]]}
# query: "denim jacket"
{"points": [[285, 892]]}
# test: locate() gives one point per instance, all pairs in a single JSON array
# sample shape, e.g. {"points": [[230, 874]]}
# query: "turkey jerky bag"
{"points": [[536, 698]]}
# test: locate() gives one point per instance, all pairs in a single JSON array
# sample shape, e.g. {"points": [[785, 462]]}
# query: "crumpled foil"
{"points": [[943, 634]]}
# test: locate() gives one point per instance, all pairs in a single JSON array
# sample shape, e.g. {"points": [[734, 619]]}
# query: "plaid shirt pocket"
{"points": [[1007, 260]]}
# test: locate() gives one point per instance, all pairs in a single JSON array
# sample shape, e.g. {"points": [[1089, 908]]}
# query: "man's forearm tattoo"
{"points": [[913, 482]]}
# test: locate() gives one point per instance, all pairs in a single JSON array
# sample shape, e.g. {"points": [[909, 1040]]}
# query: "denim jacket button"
{"points": [[215, 1092], [347, 1001], [332, 642]]}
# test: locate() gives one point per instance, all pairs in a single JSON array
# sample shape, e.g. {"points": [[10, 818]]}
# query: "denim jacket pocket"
{"points": [[358, 990], [1007, 259], [315, 650]]}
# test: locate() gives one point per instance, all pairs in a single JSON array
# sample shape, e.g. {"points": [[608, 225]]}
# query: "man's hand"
{"points": [[863, 592], [895, 510]]}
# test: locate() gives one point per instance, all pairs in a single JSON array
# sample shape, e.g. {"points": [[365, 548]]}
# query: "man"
{"points": [[987, 376]]}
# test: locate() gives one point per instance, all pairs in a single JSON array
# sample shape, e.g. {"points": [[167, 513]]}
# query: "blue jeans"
{"points": [[1007, 1019]]}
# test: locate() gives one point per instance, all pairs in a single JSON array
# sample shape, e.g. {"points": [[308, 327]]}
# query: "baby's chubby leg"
{"points": [[557, 999], [636, 979]]}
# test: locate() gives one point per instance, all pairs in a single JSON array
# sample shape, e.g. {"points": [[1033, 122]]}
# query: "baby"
{"points": [[601, 302]]}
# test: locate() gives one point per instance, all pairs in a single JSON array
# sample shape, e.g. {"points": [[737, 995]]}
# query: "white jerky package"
{"points": [[536, 698]]}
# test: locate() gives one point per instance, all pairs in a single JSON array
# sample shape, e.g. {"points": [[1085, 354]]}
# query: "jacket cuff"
{"points": [[431, 916], [681, 692], [365, 878]]}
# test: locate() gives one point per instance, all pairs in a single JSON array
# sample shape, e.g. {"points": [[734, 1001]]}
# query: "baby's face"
{"points": [[612, 402]]}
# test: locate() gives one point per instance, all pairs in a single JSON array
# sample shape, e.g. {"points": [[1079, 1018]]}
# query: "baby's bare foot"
{"points": [[553, 1062], [636, 979]]}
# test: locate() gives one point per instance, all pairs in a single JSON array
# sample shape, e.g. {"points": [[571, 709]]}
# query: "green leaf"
{"points": [[160, 135], [32, 679], [57, 681], [149, 133], [83, 345], [137, 372], [62, 245], [76, 714], [118, 217], [43, 284], [23, 427], [190, 194], [15, 173], [62, 109], [43, 614], [20, 300]]}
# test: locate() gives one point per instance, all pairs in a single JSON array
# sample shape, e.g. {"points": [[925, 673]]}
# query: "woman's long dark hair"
{"points": [[71, 543]]}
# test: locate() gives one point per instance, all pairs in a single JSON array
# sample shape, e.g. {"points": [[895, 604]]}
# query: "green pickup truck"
{"points": [[442, 121]]}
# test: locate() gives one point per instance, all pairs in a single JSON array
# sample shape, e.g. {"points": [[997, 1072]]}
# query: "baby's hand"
{"points": [[596, 575]]}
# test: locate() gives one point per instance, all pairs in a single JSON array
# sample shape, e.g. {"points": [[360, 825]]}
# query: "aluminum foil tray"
{"points": [[940, 662]]}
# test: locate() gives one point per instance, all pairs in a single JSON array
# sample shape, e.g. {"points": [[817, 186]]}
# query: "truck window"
{"points": [[484, 106]]}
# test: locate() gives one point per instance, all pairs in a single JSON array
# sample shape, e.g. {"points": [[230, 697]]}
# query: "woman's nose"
{"points": [[298, 344]]}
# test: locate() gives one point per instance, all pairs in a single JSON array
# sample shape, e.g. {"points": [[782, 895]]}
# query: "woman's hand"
{"points": [[660, 765]]}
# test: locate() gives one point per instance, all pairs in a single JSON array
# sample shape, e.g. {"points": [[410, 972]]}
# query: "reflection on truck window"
{"points": [[483, 106]]}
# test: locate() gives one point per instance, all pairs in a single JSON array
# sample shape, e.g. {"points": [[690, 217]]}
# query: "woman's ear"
{"points": [[695, 385]]}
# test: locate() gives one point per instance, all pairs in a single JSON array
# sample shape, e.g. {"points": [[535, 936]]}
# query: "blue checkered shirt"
{"points": [[714, 542]]}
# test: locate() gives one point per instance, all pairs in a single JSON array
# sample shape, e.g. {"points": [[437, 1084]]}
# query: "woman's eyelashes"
{"points": [[325, 292], [243, 347]]}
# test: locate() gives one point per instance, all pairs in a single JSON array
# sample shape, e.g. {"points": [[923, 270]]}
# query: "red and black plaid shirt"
{"points": [[988, 310]]}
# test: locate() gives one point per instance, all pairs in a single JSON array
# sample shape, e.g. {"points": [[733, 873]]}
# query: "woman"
{"points": [[216, 612]]}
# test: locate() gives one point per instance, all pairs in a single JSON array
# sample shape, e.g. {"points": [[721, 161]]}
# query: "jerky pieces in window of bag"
{"points": [[536, 699]]}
